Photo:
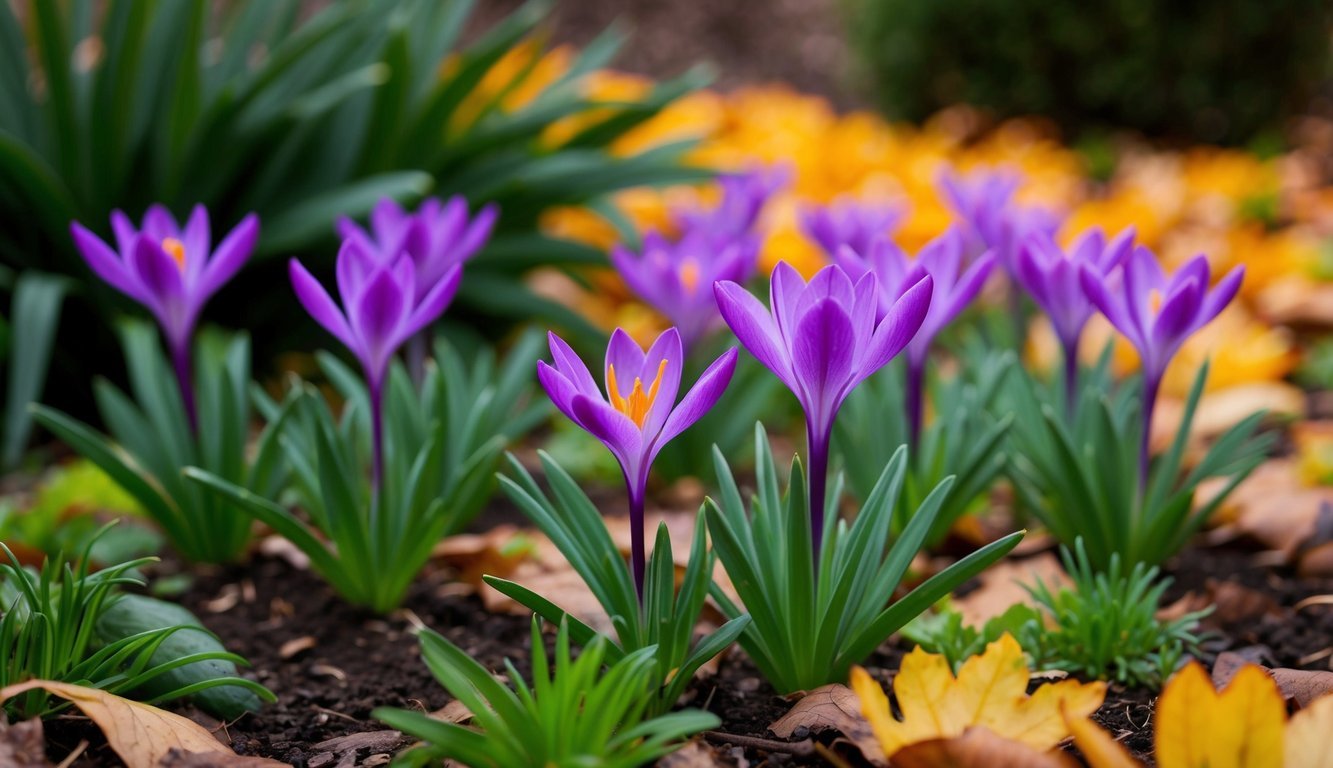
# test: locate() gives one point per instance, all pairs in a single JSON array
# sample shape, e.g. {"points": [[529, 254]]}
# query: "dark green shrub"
{"points": [[1220, 71]]}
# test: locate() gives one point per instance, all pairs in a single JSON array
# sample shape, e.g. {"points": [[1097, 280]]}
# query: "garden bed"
{"points": [[331, 664]]}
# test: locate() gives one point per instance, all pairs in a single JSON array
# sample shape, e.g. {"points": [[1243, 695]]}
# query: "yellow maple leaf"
{"points": [[1309, 737], [1201, 727], [990, 691]]}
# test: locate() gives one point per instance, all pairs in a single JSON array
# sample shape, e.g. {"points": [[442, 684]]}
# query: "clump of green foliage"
{"points": [[572, 714], [48, 631], [1103, 627]]}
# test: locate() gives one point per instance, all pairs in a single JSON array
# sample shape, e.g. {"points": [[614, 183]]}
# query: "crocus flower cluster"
{"points": [[984, 202], [1051, 276], [675, 277], [1157, 313], [638, 414], [822, 339], [171, 270], [852, 223], [954, 287], [392, 286]]}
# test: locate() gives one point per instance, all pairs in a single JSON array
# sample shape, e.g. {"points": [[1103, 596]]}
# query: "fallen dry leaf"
{"points": [[990, 691], [1199, 726], [22, 745], [1096, 745], [1272, 506], [1309, 735], [831, 708], [142, 735], [1002, 587], [695, 754], [1299, 685], [978, 748], [1232, 603], [296, 646], [455, 712]]}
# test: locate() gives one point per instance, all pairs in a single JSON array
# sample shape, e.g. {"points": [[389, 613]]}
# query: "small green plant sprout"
{"points": [[441, 445], [943, 632], [812, 621], [1079, 475], [152, 439], [964, 440], [49, 631], [1106, 625], [572, 714]]}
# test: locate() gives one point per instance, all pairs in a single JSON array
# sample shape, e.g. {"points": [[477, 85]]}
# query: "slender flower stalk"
{"points": [[381, 309], [853, 223], [438, 236], [954, 287], [1157, 313], [1050, 275], [639, 414], [171, 270], [822, 339], [676, 278]]}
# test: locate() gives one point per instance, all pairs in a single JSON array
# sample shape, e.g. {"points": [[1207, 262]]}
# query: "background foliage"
{"points": [[1220, 71]]}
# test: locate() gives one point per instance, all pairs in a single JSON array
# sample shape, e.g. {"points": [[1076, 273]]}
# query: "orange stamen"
{"points": [[689, 275], [176, 250], [637, 405]]}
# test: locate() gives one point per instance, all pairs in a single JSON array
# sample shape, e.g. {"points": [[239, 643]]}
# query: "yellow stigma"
{"points": [[638, 403], [689, 275], [176, 250]]}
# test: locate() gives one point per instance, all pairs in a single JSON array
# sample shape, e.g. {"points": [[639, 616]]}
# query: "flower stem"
{"points": [[1151, 384], [416, 357], [916, 384], [1071, 378], [181, 361], [377, 434], [637, 556], [817, 441]]}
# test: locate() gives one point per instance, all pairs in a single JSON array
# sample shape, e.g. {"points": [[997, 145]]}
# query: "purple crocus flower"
{"points": [[821, 339], [850, 222], [953, 289], [638, 415], [677, 278], [380, 310], [1050, 275], [1157, 314], [743, 198], [437, 236], [171, 270]]}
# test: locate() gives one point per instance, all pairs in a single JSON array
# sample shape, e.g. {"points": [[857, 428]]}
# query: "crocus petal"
{"points": [[197, 240], [822, 356], [1176, 317], [1110, 305], [700, 399], [666, 347], [231, 255], [1220, 296], [559, 388], [156, 270], [478, 232], [125, 232], [785, 288], [898, 327], [614, 429], [377, 317], [571, 366], [387, 220], [159, 224], [317, 302], [624, 354], [754, 327], [433, 304], [106, 264], [354, 267]]}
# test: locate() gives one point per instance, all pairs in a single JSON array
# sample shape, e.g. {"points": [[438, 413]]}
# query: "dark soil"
{"points": [[330, 664]]}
